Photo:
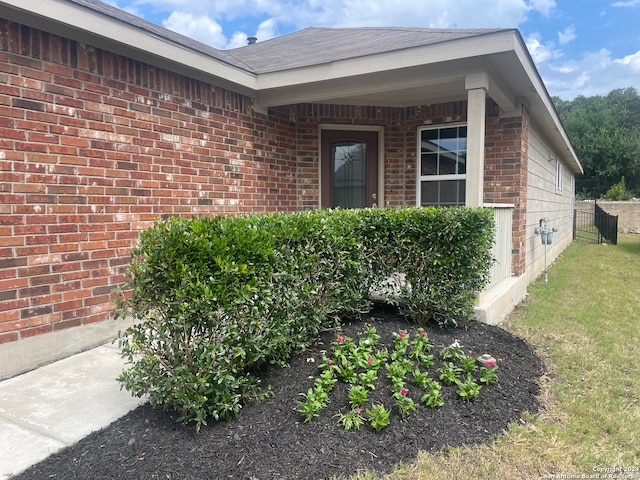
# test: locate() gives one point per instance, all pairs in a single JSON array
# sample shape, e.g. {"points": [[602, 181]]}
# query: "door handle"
{"points": [[374, 196]]}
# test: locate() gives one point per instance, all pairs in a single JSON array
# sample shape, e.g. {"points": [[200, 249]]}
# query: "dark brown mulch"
{"points": [[268, 440]]}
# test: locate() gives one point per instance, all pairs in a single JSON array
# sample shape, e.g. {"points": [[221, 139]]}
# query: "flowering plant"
{"points": [[400, 344], [357, 362], [420, 347], [468, 364], [404, 402], [353, 419], [488, 374], [357, 396]]}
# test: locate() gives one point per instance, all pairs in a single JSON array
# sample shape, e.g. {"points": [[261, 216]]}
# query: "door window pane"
{"points": [[349, 174]]}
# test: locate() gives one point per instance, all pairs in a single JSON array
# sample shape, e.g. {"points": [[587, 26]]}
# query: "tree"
{"points": [[605, 133]]}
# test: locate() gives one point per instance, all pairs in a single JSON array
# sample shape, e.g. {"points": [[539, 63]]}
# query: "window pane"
{"points": [[429, 193], [429, 164], [462, 162], [448, 163], [445, 193], [349, 162], [449, 145]]}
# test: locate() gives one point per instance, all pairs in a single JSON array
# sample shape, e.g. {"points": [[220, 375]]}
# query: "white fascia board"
{"points": [[87, 26], [473, 47]]}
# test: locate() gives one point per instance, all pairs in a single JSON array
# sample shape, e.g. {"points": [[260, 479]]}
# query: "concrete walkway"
{"points": [[48, 409]]}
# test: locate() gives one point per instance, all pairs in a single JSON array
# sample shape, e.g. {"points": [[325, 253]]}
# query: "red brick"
{"points": [[12, 324], [14, 304], [9, 337], [32, 332]]}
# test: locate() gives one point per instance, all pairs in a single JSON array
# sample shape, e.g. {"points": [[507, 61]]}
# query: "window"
{"points": [[442, 158], [559, 175]]}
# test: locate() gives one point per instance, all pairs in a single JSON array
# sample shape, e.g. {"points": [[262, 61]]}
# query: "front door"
{"points": [[349, 169]]}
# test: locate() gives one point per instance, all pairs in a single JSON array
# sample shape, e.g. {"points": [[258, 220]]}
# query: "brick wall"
{"points": [[506, 166], [93, 148]]}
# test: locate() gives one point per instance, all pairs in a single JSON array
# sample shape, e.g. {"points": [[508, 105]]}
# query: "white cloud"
{"points": [[630, 3], [595, 73], [541, 53], [349, 13], [567, 35], [633, 61], [543, 6], [199, 28]]}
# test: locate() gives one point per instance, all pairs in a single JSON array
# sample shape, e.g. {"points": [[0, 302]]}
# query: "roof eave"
{"points": [[77, 22]]}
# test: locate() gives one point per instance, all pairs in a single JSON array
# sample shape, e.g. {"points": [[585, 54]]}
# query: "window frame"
{"points": [[559, 175], [437, 178]]}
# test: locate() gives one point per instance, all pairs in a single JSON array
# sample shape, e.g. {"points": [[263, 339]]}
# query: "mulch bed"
{"points": [[268, 439]]}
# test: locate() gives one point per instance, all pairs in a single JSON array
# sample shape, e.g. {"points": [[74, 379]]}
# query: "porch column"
{"points": [[476, 85]]}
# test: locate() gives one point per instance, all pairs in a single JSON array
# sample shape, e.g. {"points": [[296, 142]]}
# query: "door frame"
{"points": [[357, 128]]}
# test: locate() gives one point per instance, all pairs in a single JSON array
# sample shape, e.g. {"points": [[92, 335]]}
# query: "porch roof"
{"points": [[362, 66]]}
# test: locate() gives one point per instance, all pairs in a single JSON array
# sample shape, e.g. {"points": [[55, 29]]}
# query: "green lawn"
{"points": [[585, 324]]}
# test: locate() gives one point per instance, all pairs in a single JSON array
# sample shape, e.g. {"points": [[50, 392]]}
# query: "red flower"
{"points": [[402, 335], [340, 339], [423, 334], [370, 361], [329, 363], [491, 363], [404, 391]]}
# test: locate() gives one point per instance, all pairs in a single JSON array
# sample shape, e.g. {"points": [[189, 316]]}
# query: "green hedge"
{"points": [[216, 298]]}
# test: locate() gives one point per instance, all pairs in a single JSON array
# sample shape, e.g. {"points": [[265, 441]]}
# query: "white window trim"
{"points": [[433, 178], [559, 175]]}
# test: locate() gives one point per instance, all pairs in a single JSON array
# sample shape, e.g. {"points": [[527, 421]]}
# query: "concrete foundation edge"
{"points": [[28, 354], [497, 302]]}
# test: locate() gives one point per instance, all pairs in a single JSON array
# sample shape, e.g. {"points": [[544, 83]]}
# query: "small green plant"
{"points": [[468, 364], [352, 420], [449, 373], [400, 344], [357, 396], [398, 369], [488, 375], [468, 390], [404, 403], [420, 345], [379, 416], [420, 379], [452, 352], [433, 398], [315, 400], [368, 379], [326, 380]]}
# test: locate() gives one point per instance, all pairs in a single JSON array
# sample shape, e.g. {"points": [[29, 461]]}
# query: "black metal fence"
{"points": [[598, 226]]}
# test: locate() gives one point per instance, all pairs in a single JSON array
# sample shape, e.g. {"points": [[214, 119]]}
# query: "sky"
{"points": [[580, 47]]}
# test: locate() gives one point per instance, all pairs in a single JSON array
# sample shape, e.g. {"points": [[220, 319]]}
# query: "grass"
{"points": [[585, 324]]}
